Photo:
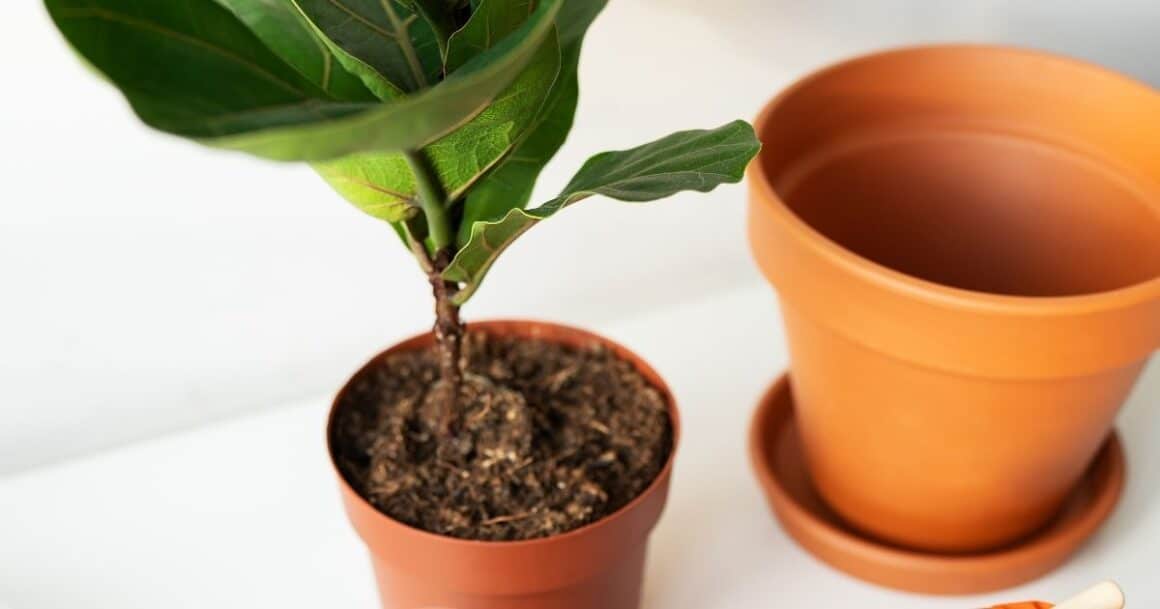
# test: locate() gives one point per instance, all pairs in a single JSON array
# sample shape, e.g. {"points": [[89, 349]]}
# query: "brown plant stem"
{"points": [[448, 332], [448, 329]]}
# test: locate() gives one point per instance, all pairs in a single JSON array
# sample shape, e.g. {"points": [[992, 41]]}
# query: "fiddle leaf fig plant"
{"points": [[435, 116]]}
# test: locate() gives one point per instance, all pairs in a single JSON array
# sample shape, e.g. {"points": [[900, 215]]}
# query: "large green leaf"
{"points": [[379, 183], [465, 155], [509, 185], [440, 16], [415, 121], [190, 67], [575, 17], [280, 25], [383, 34], [697, 160], [371, 78], [491, 21]]}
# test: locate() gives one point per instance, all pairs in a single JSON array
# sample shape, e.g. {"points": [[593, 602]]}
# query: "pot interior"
{"points": [[961, 191]]}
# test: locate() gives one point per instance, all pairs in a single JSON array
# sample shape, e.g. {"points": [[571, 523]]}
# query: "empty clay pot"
{"points": [[598, 565], [965, 241]]}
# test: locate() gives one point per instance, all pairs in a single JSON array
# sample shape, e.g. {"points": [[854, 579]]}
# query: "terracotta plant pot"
{"points": [[965, 241], [775, 451], [598, 565]]}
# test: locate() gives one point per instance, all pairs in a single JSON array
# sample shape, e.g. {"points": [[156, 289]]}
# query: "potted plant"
{"points": [[967, 254], [521, 464]]}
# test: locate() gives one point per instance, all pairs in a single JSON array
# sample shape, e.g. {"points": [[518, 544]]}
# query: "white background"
{"points": [[148, 285]]}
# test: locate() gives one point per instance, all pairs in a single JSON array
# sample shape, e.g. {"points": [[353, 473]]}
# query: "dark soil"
{"points": [[545, 439]]}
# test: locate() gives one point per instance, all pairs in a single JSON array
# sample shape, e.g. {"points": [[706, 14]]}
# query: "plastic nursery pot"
{"points": [[598, 565], [965, 242]]}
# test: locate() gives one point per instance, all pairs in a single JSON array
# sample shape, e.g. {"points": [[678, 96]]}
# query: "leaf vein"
{"points": [[115, 17]]}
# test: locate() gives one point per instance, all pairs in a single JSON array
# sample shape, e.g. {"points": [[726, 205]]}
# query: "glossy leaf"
{"points": [[490, 22], [574, 19], [381, 185], [191, 67], [371, 78], [287, 33], [510, 185], [697, 160], [376, 182], [465, 155], [440, 16], [415, 121], [385, 35]]}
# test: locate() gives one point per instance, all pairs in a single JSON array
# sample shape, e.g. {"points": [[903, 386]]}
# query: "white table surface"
{"points": [[245, 513]]}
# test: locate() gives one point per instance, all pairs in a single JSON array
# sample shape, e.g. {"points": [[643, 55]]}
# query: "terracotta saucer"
{"points": [[775, 451]]}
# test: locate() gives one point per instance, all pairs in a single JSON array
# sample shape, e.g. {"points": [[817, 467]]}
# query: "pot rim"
{"points": [[501, 325], [924, 290]]}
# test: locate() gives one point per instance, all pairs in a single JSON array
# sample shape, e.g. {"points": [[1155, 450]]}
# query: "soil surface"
{"points": [[545, 439]]}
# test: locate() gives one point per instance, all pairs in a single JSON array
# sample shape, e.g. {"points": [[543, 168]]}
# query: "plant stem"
{"points": [[417, 247], [403, 38], [448, 328], [448, 334], [432, 198]]}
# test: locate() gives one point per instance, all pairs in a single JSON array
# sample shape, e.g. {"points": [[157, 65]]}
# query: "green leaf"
{"points": [[370, 77], [287, 33], [415, 121], [509, 186], [465, 155], [697, 160], [574, 19], [382, 34], [377, 183], [190, 67], [440, 16], [493, 20], [380, 185]]}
